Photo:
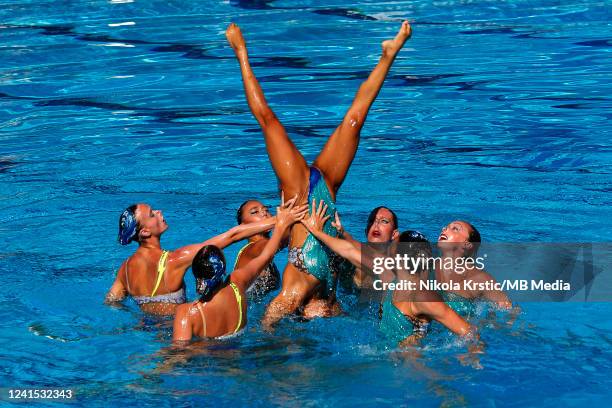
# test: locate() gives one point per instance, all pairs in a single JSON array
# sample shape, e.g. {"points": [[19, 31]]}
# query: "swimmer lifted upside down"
{"points": [[308, 276]]}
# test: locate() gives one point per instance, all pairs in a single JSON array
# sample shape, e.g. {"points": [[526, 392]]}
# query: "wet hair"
{"points": [[372, 218], [474, 238], [416, 243], [412, 236], [209, 270], [239, 212], [129, 227]]}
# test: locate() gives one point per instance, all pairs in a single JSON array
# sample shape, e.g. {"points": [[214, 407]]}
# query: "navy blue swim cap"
{"points": [[412, 236], [209, 270], [128, 226], [415, 244]]}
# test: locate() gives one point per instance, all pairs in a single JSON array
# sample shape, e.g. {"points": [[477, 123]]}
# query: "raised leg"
{"points": [[287, 161], [339, 151]]}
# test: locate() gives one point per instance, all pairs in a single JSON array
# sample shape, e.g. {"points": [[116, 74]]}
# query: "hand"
{"points": [[288, 213], [470, 360], [338, 225], [475, 347], [409, 342], [317, 218]]}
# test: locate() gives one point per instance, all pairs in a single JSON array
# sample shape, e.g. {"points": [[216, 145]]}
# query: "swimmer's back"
{"points": [[221, 313], [140, 274]]}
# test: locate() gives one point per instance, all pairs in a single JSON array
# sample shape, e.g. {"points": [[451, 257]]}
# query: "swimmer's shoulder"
{"points": [[136, 262], [188, 312], [184, 320], [251, 252], [438, 310], [256, 248], [429, 303], [134, 268], [479, 275], [494, 295]]}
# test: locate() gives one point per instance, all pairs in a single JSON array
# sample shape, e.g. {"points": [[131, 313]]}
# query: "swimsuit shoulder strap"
{"points": [[127, 279], [239, 301], [199, 306], [161, 268], [240, 253]]}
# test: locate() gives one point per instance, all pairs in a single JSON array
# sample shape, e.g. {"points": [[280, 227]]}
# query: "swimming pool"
{"points": [[494, 112]]}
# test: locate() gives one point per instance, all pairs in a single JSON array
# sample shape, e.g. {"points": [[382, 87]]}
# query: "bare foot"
{"points": [[234, 37], [392, 47]]}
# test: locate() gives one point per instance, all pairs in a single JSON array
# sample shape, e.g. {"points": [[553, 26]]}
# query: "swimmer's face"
{"points": [[455, 236], [254, 211], [152, 222], [383, 228]]}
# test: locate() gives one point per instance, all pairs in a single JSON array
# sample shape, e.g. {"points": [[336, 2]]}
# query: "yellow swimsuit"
{"points": [[177, 297], [238, 300]]}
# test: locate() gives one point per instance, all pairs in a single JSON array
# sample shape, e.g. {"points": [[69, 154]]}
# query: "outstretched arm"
{"points": [[240, 232], [350, 250], [499, 298], [440, 311], [287, 215], [183, 257]]}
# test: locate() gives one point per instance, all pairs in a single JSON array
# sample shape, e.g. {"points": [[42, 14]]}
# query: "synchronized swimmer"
{"points": [[308, 279], [154, 277], [212, 315]]}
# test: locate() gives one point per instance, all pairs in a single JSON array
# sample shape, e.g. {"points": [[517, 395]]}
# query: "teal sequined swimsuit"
{"points": [[314, 257], [396, 325], [461, 305]]}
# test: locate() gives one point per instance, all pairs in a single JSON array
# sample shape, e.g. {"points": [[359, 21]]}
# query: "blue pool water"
{"points": [[496, 112]]}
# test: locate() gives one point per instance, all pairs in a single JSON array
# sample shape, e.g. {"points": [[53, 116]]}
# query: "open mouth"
{"points": [[376, 234], [442, 237]]}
